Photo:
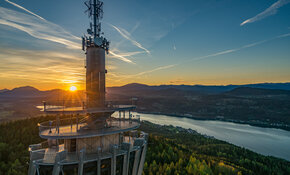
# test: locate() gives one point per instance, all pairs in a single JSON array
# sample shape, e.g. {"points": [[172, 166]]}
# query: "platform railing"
{"points": [[74, 123], [47, 154], [80, 104], [54, 126]]}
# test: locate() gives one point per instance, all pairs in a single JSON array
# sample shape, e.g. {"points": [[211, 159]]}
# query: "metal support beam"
{"points": [[114, 159], [142, 159], [81, 161], [32, 168], [58, 158], [126, 147], [99, 161], [35, 155], [136, 162]]}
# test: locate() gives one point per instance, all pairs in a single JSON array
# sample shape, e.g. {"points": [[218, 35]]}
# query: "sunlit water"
{"points": [[266, 141]]}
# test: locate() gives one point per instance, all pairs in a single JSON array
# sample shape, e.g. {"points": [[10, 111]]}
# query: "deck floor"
{"points": [[70, 131]]}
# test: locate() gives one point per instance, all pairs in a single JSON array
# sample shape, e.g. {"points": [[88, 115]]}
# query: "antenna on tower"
{"points": [[95, 13]]}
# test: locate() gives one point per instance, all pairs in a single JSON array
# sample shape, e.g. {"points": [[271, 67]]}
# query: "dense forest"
{"points": [[171, 150], [174, 150]]}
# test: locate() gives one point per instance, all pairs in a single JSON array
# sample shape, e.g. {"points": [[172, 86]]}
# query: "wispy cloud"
{"points": [[124, 33], [121, 57], [51, 66], [237, 49], [208, 56], [16, 5], [268, 12], [213, 55], [154, 70], [136, 26], [124, 77], [38, 28], [130, 54]]}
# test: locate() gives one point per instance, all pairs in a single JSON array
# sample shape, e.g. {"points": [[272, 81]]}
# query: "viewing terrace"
{"points": [[77, 127]]}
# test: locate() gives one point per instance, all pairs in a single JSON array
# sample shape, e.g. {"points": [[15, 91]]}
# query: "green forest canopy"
{"points": [[171, 150]]}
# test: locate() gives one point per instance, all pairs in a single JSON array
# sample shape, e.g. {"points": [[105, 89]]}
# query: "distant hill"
{"points": [[249, 91], [135, 86], [139, 89], [3, 90], [267, 103], [31, 92], [281, 86], [26, 91], [197, 89]]}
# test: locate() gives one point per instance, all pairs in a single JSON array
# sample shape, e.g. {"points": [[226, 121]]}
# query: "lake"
{"points": [[266, 141]]}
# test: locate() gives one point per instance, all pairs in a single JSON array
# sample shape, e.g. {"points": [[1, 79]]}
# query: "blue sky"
{"points": [[152, 42]]}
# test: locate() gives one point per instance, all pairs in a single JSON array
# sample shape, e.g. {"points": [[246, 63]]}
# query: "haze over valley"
{"points": [[264, 104]]}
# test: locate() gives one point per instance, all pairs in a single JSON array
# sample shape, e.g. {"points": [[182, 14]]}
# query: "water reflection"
{"points": [[266, 141]]}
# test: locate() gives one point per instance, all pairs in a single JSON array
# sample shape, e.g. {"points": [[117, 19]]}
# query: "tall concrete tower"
{"points": [[96, 138], [95, 46]]}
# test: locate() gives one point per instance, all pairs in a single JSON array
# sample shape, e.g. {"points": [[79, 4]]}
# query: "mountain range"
{"points": [[135, 89], [266, 103]]}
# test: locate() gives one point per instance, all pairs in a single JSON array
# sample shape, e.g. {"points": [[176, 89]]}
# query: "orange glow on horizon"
{"points": [[73, 88]]}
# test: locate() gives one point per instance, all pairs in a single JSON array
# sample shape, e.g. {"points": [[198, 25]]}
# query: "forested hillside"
{"points": [[180, 151], [171, 151]]}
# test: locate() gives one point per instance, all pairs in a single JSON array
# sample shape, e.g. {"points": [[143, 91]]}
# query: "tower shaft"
{"points": [[95, 77], [95, 46]]}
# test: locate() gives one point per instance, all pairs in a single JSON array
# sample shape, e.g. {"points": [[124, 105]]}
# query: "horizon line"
{"points": [[40, 89]]}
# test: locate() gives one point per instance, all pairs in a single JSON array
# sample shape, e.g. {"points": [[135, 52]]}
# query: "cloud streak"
{"points": [[50, 67], [16, 5], [37, 27], [154, 70], [124, 77], [209, 56], [236, 49], [128, 36], [120, 57], [268, 12]]}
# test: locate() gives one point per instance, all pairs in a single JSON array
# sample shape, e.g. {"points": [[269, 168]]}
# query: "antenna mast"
{"points": [[94, 38]]}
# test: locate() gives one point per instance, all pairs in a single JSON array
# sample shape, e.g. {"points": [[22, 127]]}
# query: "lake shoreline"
{"points": [[211, 119], [266, 141]]}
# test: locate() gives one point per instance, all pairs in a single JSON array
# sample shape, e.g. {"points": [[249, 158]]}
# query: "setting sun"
{"points": [[73, 88]]}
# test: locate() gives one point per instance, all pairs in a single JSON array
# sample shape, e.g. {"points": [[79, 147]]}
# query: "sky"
{"points": [[153, 42]]}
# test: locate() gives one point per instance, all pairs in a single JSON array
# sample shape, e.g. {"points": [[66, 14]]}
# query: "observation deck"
{"points": [[71, 109], [77, 144], [126, 157], [77, 127], [46, 155]]}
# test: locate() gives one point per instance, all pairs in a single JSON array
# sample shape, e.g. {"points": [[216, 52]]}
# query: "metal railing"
{"points": [[73, 125], [54, 126], [79, 104], [46, 154]]}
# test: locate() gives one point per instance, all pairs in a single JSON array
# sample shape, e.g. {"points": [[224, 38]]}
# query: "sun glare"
{"points": [[73, 88]]}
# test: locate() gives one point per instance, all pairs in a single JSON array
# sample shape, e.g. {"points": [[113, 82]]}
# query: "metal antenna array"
{"points": [[94, 38]]}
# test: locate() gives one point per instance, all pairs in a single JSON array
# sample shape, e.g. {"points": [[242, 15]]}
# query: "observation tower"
{"points": [[90, 137]]}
